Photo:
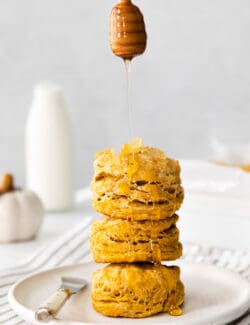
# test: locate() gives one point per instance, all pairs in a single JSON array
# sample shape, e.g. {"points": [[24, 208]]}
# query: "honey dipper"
{"points": [[127, 34]]}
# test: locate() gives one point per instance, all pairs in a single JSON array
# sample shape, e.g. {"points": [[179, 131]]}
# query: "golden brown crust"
{"points": [[137, 290], [122, 241]]}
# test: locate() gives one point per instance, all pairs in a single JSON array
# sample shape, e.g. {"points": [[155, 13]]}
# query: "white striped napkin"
{"points": [[73, 247]]}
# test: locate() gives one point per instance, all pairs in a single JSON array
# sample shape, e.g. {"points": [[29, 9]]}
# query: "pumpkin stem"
{"points": [[7, 183]]}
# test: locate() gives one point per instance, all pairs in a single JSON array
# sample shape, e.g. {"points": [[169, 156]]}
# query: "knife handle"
{"points": [[48, 310]]}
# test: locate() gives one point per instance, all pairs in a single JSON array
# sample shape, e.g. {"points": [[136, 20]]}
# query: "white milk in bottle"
{"points": [[49, 149]]}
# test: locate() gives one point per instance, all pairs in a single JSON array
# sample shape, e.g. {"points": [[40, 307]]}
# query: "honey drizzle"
{"points": [[130, 128], [175, 312], [155, 253], [129, 101], [152, 239]]}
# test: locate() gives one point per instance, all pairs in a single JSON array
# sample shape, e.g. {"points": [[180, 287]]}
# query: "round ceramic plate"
{"points": [[213, 296]]}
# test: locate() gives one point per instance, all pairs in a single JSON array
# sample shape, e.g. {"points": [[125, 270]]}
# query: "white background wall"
{"points": [[192, 83]]}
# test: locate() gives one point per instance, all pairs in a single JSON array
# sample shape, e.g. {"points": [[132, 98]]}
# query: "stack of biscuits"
{"points": [[138, 191]]}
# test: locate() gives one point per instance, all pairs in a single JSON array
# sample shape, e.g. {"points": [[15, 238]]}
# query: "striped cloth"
{"points": [[73, 247]]}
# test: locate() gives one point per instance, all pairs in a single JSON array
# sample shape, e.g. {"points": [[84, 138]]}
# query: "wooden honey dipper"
{"points": [[127, 34]]}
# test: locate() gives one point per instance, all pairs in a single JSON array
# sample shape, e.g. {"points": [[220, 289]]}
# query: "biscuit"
{"points": [[137, 290], [123, 208], [137, 162], [140, 185], [121, 241]]}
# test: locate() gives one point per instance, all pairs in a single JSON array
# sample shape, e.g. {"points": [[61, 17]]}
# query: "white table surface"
{"points": [[54, 225]]}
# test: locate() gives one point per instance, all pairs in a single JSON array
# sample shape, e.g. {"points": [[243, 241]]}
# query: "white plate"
{"points": [[215, 195], [213, 296], [208, 178]]}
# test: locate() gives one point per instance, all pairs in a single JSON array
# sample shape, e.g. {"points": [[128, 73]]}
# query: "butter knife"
{"points": [[50, 308]]}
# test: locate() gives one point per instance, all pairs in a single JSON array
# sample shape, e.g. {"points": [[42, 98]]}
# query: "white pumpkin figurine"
{"points": [[21, 212]]}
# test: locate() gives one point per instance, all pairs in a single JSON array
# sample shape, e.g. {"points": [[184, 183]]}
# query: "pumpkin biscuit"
{"points": [[123, 208], [137, 290], [139, 183], [120, 241]]}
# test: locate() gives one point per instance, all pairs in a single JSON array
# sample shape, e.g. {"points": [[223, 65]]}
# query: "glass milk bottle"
{"points": [[49, 149]]}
